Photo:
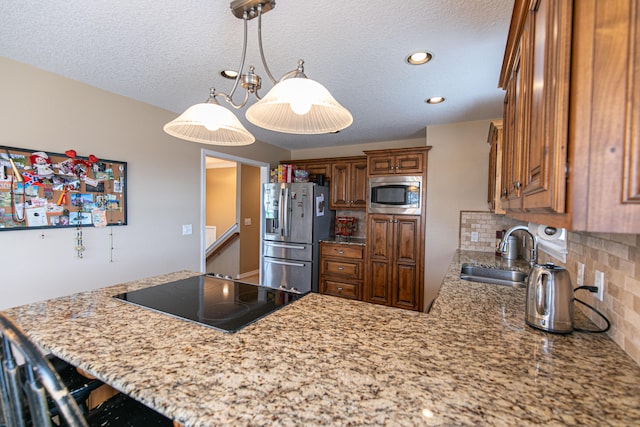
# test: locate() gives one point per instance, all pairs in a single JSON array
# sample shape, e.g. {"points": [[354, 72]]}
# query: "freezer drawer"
{"points": [[299, 251], [287, 274]]}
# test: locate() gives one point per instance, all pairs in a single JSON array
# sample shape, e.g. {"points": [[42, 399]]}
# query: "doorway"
{"points": [[231, 214]]}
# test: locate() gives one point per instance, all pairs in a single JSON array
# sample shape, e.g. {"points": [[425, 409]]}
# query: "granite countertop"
{"points": [[346, 240], [330, 361]]}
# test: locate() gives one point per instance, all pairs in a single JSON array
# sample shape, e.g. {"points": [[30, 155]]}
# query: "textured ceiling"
{"points": [[168, 53]]}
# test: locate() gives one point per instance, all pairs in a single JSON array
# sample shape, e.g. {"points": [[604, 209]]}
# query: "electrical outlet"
{"points": [[187, 229], [474, 236], [599, 284], [247, 221], [580, 277]]}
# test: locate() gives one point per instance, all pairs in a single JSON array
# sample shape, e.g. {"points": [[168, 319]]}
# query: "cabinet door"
{"points": [[380, 165], [495, 166], [380, 249], [509, 120], [406, 281], [359, 187], [517, 119], [340, 183], [315, 169], [549, 49], [349, 185], [409, 164]]}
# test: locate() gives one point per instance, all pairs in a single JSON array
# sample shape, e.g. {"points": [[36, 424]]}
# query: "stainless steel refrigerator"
{"points": [[296, 216]]}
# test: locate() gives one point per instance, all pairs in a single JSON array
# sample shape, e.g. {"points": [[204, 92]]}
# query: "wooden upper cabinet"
{"points": [[315, 167], [571, 153], [349, 184], [548, 36], [495, 141], [395, 162], [347, 177], [512, 145]]}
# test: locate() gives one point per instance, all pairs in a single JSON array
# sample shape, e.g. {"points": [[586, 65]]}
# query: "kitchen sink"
{"points": [[493, 275]]}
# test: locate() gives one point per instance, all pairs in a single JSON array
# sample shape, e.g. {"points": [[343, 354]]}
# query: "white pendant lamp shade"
{"points": [[209, 123], [301, 106]]}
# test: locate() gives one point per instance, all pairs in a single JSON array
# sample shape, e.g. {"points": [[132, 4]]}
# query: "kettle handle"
{"points": [[542, 293]]}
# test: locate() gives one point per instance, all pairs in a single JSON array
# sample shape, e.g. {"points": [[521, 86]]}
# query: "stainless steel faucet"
{"points": [[533, 258]]}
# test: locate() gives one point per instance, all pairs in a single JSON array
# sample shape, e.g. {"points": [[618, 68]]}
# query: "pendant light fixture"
{"points": [[295, 104]]}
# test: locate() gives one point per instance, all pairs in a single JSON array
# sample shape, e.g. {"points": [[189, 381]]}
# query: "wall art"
{"points": [[41, 189]]}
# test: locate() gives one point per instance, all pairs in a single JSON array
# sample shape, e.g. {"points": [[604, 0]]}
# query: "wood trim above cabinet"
{"points": [[512, 54]]}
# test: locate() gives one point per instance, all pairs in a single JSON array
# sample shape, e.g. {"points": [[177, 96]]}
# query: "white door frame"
{"points": [[264, 178]]}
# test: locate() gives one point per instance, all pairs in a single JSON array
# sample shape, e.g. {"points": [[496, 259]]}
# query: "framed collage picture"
{"points": [[43, 190]]}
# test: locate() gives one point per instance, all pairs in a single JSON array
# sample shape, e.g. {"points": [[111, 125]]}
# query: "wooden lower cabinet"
{"points": [[395, 272], [341, 269]]}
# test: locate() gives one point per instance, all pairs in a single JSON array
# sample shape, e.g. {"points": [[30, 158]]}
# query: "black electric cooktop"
{"points": [[211, 301]]}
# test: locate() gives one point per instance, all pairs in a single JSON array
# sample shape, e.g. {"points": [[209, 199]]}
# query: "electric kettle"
{"points": [[549, 303]]}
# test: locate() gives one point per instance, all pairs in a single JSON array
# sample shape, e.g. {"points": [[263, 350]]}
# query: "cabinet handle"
{"points": [[339, 289], [341, 268], [517, 185], [504, 193], [340, 251]]}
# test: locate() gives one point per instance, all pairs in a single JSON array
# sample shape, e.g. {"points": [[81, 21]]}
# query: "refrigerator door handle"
{"points": [[293, 264], [280, 210], [285, 246], [285, 219]]}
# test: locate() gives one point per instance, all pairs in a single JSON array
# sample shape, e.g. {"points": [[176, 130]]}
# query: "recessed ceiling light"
{"points": [[419, 58], [229, 74], [434, 100]]}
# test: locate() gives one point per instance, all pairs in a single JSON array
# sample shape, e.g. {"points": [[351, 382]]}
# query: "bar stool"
{"points": [[34, 394]]}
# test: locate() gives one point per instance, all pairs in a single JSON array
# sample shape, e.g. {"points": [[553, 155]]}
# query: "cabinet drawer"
{"points": [[342, 251], [352, 269], [339, 289]]}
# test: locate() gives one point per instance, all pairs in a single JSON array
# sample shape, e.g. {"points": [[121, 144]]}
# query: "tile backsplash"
{"points": [[485, 224], [616, 255]]}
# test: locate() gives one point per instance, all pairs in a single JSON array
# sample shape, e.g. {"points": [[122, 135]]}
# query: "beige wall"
{"points": [[457, 180], [43, 111], [249, 210], [221, 198], [617, 255]]}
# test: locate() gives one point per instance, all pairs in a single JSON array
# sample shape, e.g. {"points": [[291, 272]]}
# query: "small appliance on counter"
{"points": [[549, 303], [345, 225]]}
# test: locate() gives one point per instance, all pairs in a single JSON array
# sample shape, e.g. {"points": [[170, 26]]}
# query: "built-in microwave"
{"points": [[395, 195]]}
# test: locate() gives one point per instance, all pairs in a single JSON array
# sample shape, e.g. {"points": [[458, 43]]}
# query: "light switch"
{"points": [[247, 221], [186, 229]]}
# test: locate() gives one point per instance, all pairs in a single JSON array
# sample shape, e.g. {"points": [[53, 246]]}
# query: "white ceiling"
{"points": [[168, 53]]}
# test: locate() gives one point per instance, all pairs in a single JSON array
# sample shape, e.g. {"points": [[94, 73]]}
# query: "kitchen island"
{"points": [[331, 361]]}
